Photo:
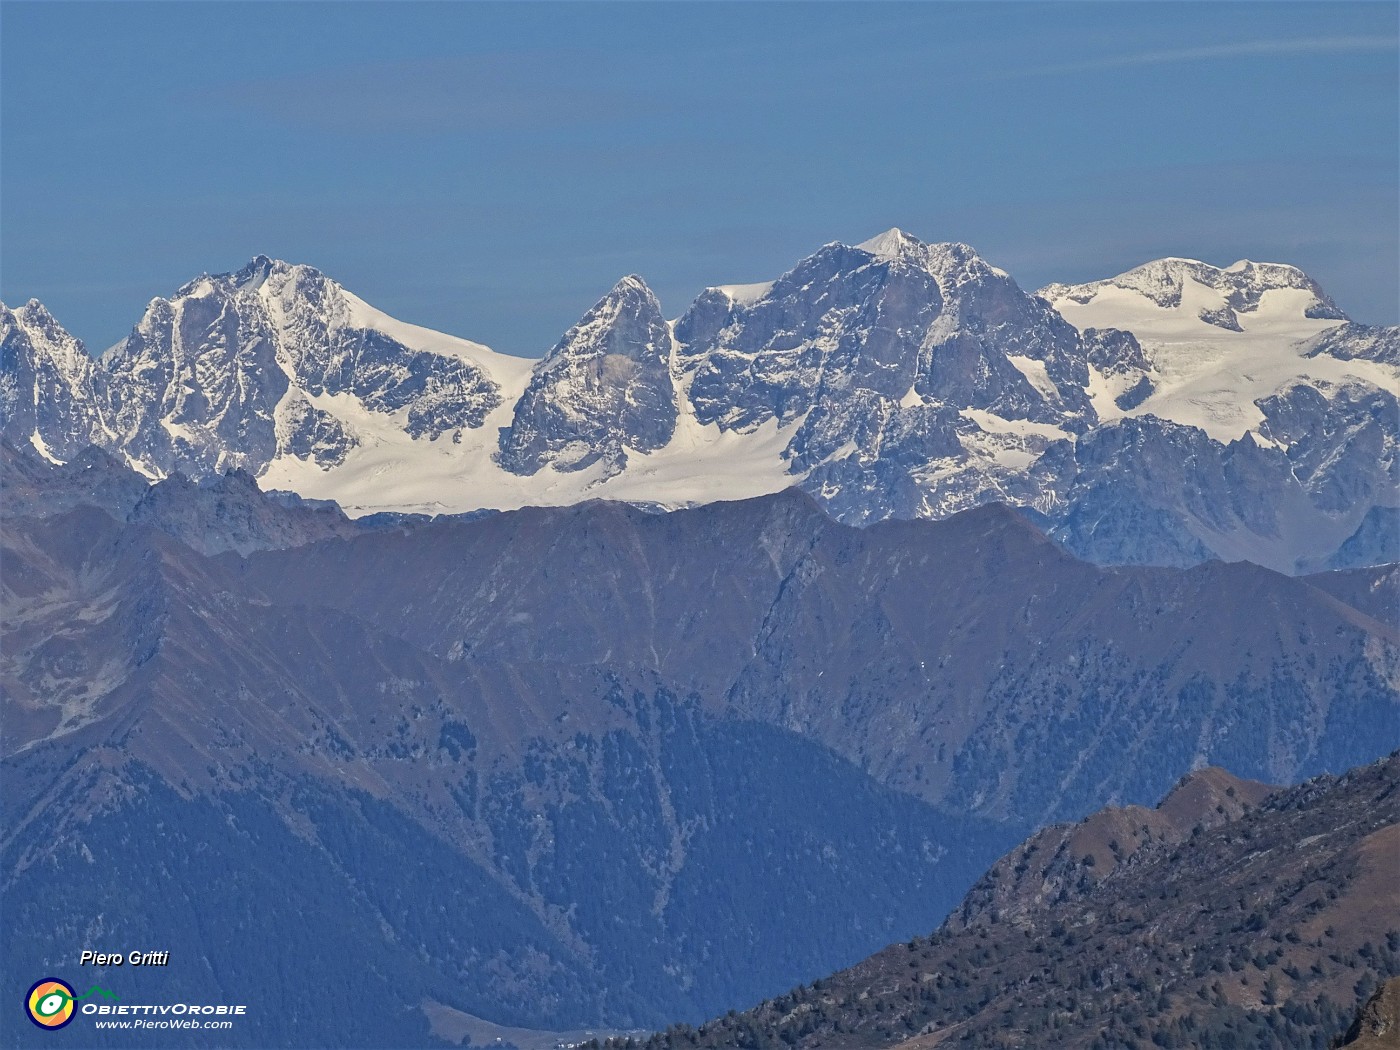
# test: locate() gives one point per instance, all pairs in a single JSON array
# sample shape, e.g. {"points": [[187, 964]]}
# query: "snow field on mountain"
{"points": [[1210, 377], [890, 379]]}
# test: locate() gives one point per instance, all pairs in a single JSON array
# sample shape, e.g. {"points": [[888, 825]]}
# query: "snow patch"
{"points": [[43, 449], [1036, 374], [992, 423], [745, 294], [887, 245]]}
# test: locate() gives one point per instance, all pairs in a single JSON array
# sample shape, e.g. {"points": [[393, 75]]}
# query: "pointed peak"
{"points": [[258, 270], [251, 277], [35, 316], [631, 289], [31, 314], [46, 335], [1201, 791], [632, 283], [944, 259], [891, 244], [629, 303], [35, 312]]}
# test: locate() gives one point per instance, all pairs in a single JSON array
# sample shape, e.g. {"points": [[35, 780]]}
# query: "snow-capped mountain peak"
{"points": [[604, 388], [35, 314], [632, 282], [598, 332], [278, 360], [892, 244], [1177, 411], [1216, 340], [259, 268], [49, 338], [49, 396], [1258, 358], [952, 263], [1241, 295]]}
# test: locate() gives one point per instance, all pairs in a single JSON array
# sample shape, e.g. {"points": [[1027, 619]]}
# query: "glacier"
{"points": [[1169, 415]]}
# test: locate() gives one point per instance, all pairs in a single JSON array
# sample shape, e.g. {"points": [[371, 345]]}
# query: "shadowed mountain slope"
{"points": [[1227, 917], [591, 765], [971, 662]]}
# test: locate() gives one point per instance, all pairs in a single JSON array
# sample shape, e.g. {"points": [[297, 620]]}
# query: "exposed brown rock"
{"points": [[1377, 1026]]}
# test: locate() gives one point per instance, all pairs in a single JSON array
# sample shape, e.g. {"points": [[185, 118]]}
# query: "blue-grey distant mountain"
{"points": [[1175, 413], [589, 765], [51, 393]]}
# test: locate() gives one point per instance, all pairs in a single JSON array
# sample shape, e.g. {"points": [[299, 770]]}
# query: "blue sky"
{"points": [[491, 170]]}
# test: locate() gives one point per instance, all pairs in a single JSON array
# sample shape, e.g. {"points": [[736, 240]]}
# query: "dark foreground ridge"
{"points": [[1217, 920]]}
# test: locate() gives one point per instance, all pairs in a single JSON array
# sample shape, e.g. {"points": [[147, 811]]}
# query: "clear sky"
{"points": [[491, 170]]}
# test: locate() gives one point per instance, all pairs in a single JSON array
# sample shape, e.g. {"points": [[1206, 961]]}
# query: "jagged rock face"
{"points": [[991, 314], [841, 322], [307, 432], [216, 514], [1352, 341], [605, 388], [230, 513], [919, 377], [865, 457], [1117, 357], [1341, 442], [331, 351], [223, 374], [1374, 542], [909, 322], [1147, 491], [33, 486], [197, 382], [48, 396], [1174, 413], [1292, 419]]}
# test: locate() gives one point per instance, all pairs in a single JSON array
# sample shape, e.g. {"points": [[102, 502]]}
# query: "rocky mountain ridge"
{"points": [[1256, 920], [1172, 414], [594, 765], [1377, 1024]]}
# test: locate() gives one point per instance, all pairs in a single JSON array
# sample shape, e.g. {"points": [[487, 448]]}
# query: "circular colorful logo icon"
{"points": [[50, 1003]]}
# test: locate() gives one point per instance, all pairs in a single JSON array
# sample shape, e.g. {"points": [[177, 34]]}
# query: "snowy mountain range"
{"points": [[1168, 415]]}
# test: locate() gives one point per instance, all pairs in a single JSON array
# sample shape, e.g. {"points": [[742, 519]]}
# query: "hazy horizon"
{"points": [[491, 170]]}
